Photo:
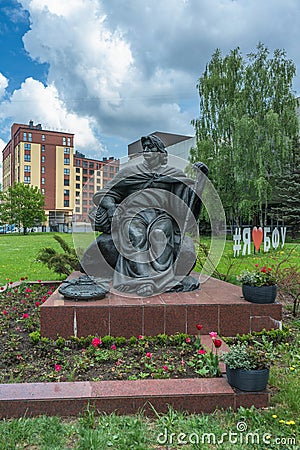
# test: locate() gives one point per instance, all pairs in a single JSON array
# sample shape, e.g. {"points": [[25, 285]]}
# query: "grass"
{"points": [[277, 427]]}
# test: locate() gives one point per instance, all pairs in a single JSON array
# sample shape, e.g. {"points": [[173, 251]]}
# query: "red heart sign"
{"points": [[257, 237]]}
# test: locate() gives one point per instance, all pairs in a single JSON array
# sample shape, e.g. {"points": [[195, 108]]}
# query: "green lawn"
{"points": [[18, 255]]}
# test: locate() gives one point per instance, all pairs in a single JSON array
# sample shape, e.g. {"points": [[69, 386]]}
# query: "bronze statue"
{"points": [[146, 216]]}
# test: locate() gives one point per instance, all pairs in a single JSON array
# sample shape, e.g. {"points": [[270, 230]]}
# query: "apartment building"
{"points": [[67, 179]]}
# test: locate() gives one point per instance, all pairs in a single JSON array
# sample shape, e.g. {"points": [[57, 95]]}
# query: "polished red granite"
{"points": [[218, 306], [124, 397]]}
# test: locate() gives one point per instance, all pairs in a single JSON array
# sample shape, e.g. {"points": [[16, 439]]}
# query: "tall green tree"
{"points": [[22, 205], [287, 196], [246, 127]]}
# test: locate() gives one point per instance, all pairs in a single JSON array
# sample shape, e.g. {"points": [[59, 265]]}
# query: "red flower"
{"points": [[217, 343], [57, 367], [263, 269], [140, 336], [37, 304], [149, 355], [96, 341], [39, 281], [4, 312], [256, 265], [28, 290], [50, 292], [113, 347], [269, 269], [213, 334], [199, 327], [165, 368], [188, 340], [25, 316], [201, 352]]}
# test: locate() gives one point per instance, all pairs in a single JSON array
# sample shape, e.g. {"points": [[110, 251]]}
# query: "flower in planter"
{"points": [[259, 276]]}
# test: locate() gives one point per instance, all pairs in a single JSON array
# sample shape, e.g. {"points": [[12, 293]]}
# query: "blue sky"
{"points": [[111, 71]]}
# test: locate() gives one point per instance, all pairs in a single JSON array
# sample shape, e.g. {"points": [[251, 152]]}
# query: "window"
{"points": [[66, 182], [67, 150], [84, 210], [27, 158], [43, 158], [30, 137], [91, 172], [77, 170], [27, 168], [43, 191], [77, 209], [66, 192], [77, 194], [98, 181], [43, 180], [67, 171], [64, 140], [66, 203], [91, 165], [43, 137], [84, 202], [84, 164], [24, 136], [77, 186], [69, 141], [84, 179], [27, 180], [43, 169], [43, 148], [66, 160], [85, 171], [77, 162], [27, 146], [77, 177]]}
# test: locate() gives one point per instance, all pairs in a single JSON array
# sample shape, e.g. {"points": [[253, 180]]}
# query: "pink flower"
{"points": [[201, 352], [213, 334], [165, 368], [50, 292], [4, 312], [217, 343], [188, 340], [149, 355], [28, 290], [57, 367], [140, 336], [182, 362], [96, 341], [19, 357], [37, 304], [199, 327], [25, 316], [113, 347]]}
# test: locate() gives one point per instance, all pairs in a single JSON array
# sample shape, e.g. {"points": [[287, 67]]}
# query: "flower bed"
{"points": [[28, 357]]}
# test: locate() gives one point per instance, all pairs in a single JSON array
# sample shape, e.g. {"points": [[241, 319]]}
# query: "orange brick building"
{"points": [[67, 179]]}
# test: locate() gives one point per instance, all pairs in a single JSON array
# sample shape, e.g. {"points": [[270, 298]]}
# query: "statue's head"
{"points": [[153, 144]]}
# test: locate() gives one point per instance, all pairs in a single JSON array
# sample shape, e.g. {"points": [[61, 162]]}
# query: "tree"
{"points": [[22, 205], [246, 127], [287, 196]]}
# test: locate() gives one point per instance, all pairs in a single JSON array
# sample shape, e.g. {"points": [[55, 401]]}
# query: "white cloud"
{"points": [[41, 104], [3, 84]]}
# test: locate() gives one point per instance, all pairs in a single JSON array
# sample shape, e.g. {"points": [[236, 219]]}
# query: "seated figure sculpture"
{"points": [[146, 216]]}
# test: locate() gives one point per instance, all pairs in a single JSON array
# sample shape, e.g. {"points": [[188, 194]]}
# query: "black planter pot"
{"points": [[248, 380], [259, 294]]}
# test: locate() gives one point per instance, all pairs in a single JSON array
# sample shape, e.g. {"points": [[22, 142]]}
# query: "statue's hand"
{"points": [[201, 167]]}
